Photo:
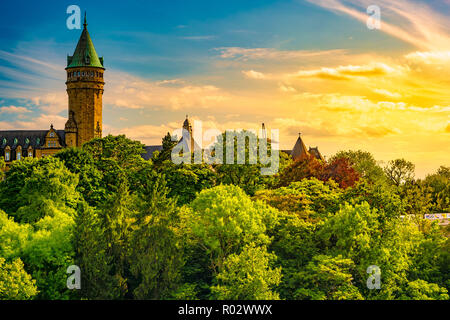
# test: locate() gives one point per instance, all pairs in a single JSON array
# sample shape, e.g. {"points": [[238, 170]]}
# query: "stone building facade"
{"points": [[85, 90]]}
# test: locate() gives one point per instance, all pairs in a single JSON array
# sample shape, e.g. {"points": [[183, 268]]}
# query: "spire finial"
{"points": [[299, 134], [85, 20]]}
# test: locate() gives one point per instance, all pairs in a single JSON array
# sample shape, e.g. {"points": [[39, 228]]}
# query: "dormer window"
{"points": [[7, 156], [30, 153], [52, 134], [19, 155]]}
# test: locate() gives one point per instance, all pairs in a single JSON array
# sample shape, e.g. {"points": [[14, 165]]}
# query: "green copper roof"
{"points": [[84, 55]]}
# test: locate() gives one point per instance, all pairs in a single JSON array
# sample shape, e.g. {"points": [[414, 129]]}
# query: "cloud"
{"points": [[388, 93], [13, 110], [252, 74], [346, 72], [271, 53], [411, 22], [41, 122], [447, 129], [429, 57]]}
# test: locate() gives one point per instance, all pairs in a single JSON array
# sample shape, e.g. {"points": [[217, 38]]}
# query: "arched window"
{"points": [[19, 153], [7, 156], [30, 153]]}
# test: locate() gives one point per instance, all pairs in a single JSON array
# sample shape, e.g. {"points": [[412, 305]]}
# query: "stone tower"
{"points": [[85, 90], [188, 127]]}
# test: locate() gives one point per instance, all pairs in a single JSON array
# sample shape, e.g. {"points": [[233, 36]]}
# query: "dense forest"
{"points": [[151, 229]]}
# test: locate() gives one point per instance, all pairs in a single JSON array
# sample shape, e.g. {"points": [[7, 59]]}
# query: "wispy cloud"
{"points": [[272, 54], [412, 22], [13, 109]]}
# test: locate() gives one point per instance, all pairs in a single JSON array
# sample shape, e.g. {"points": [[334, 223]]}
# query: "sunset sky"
{"points": [[309, 66]]}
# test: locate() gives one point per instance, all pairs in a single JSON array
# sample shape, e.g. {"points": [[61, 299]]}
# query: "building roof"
{"points": [[27, 138], [149, 150], [85, 54], [299, 151], [316, 153]]}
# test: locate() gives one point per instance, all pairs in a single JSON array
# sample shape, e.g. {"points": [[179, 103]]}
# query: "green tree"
{"points": [[224, 219], [159, 157], [15, 282], [49, 186], [185, 181], [244, 173], [364, 163], [2, 168], [156, 251], [82, 163], [422, 290], [439, 182], [248, 276], [327, 278], [308, 198], [97, 280], [48, 253], [116, 217], [399, 171]]}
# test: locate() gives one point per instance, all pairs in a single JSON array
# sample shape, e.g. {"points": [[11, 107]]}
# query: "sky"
{"points": [[309, 66]]}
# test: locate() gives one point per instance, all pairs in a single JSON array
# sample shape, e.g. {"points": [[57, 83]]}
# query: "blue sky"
{"points": [[237, 64]]}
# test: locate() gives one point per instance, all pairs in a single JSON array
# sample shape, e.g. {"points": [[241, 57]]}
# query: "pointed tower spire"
{"points": [[85, 54], [299, 152], [85, 20]]}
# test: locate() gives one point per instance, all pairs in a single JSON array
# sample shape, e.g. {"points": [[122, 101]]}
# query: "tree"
{"points": [[156, 253], [364, 163], [308, 198], [91, 255], [185, 181], [82, 163], [224, 219], [2, 168], [159, 157], [248, 276], [49, 186], [382, 196], [340, 171], [440, 185], [13, 236], [301, 169], [48, 253], [15, 282], [116, 216], [244, 173], [125, 151], [327, 278], [399, 171], [422, 290]]}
